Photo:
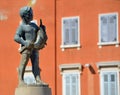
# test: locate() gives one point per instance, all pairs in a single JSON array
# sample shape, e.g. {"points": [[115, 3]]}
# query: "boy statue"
{"points": [[31, 38]]}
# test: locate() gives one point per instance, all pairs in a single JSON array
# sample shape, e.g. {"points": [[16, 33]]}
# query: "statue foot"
{"points": [[41, 83]]}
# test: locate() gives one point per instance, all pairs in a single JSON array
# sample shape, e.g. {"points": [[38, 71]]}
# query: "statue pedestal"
{"points": [[32, 90]]}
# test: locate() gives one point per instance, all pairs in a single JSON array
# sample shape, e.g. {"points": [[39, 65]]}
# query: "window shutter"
{"points": [[108, 28], [74, 84], [66, 31], [67, 84], [71, 84], [104, 29], [113, 83], [112, 28], [70, 31], [109, 82], [105, 82], [74, 31]]}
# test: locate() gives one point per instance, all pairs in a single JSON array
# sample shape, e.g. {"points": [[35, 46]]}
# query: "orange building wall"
{"points": [[88, 11], [9, 55], [52, 56]]}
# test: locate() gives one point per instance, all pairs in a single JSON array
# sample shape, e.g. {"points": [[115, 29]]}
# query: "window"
{"points": [[71, 83], [70, 32], [109, 77], [71, 79], [108, 29], [109, 82]]}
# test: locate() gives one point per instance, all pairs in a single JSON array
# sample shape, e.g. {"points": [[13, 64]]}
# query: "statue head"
{"points": [[26, 14]]}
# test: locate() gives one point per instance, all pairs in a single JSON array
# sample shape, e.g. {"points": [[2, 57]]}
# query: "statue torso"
{"points": [[29, 32]]}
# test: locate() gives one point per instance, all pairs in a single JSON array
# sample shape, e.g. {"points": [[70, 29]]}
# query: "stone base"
{"points": [[32, 90]]}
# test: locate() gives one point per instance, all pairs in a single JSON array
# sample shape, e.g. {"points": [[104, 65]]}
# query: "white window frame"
{"points": [[63, 81], [109, 66], [116, 43], [104, 70], [71, 69], [71, 46]]}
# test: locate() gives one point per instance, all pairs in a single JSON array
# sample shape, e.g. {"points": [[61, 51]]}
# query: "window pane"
{"points": [[109, 83], [66, 37], [106, 89], [112, 78], [66, 31], [113, 83], [74, 84], [74, 31], [104, 29], [67, 80], [73, 35], [112, 28], [70, 31], [108, 28], [67, 89], [105, 78], [112, 89], [71, 84], [106, 84]]}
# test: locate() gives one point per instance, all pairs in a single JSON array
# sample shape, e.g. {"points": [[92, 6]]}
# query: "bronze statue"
{"points": [[32, 38]]}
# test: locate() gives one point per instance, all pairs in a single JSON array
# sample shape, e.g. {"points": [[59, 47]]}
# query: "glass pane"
{"points": [[67, 89], [112, 89], [104, 29], [109, 83], [70, 31], [67, 84], [73, 35], [105, 78], [71, 84], [106, 89], [108, 28], [113, 83], [66, 31], [66, 36], [73, 79], [74, 90], [74, 84], [112, 29], [67, 79], [74, 31], [112, 78]]}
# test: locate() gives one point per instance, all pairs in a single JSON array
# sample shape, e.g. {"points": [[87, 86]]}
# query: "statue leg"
{"points": [[35, 63], [35, 68], [21, 69]]}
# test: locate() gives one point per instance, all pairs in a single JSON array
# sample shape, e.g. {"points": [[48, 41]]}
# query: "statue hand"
{"points": [[29, 44]]}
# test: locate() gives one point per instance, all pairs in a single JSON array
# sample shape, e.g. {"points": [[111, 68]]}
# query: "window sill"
{"points": [[63, 47], [100, 44]]}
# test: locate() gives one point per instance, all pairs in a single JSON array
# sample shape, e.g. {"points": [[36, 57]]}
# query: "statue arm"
{"points": [[18, 36]]}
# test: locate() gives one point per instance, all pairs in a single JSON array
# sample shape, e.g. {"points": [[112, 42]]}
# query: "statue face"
{"points": [[28, 16]]}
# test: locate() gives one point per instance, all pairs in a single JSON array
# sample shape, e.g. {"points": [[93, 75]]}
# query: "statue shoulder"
{"points": [[34, 25]]}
